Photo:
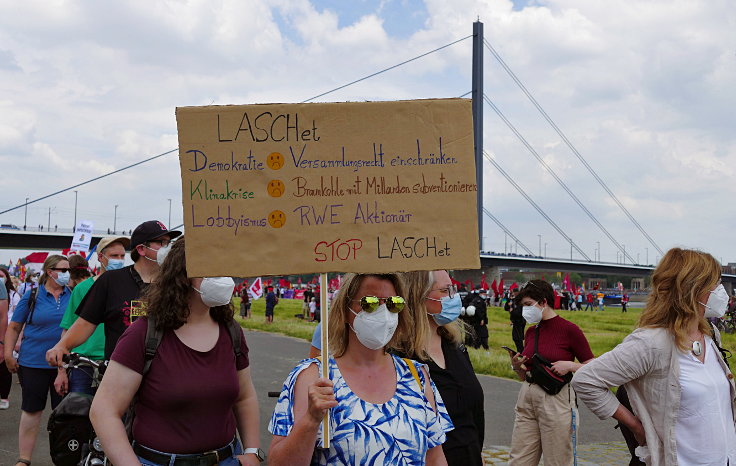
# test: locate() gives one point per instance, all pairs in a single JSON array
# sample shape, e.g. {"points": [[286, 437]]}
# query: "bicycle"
{"points": [[72, 439]]}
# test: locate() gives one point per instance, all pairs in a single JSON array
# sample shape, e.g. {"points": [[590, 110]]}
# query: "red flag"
{"points": [[455, 282], [513, 285], [256, 289], [37, 257], [494, 286], [483, 282], [500, 286]]}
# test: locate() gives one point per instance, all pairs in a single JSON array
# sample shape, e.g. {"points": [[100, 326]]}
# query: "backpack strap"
{"points": [[154, 336], [236, 335], [716, 335], [153, 339], [32, 305], [413, 370]]}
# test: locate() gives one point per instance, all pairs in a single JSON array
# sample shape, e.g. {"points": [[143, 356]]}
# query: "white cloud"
{"points": [[643, 89]]}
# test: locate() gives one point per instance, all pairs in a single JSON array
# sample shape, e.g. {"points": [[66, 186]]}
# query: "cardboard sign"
{"points": [[82, 236], [276, 189]]}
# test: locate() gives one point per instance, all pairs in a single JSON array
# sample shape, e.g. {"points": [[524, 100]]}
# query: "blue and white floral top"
{"points": [[398, 432]]}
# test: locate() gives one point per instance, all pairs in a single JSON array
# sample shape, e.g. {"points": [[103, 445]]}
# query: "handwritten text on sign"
{"points": [[341, 187]]}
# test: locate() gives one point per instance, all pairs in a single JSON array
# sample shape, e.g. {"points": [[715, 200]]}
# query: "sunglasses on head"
{"points": [[371, 303]]}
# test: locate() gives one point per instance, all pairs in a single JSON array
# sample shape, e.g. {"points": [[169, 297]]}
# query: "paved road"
{"points": [[273, 356]]}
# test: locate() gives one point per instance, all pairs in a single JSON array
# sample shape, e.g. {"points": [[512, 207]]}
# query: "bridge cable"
{"points": [[536, 206], [304, 101], [570, 145], [506, 230], [555, 176], [387, 69], [89, 181]]}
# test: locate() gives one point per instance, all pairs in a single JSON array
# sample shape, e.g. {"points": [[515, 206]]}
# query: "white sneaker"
{"points": [[4, 404]]}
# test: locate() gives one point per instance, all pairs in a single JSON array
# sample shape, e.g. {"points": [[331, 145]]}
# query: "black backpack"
{"points": [[153, 340], [69, 429]]}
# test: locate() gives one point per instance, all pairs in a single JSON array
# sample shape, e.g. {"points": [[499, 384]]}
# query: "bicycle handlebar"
{"points": [[75, 360]]}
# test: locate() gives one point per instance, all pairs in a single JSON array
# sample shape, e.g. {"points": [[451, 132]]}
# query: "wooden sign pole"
{"points": [[324, 318]]}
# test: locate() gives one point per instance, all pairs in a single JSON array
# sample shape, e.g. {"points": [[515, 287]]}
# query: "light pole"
{"points": [[623, 256], [545, 250], [505, 238], [540, 244], [74, 227], [25, 216], [169, 224], [647, 250], [48, 226], [115, 220], [571, 249], [598, 243]]}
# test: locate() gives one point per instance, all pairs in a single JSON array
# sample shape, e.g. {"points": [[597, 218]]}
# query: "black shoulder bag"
{"points": [[542, 374]]}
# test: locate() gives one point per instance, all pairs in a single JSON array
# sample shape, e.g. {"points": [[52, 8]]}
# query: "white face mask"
{"points": [[62, 278], [717, 303], [532, 314], [162, 253], [216, 291], [375, 329]]}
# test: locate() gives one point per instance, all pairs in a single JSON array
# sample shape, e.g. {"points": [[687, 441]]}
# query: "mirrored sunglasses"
{"points": [[371, 303]]}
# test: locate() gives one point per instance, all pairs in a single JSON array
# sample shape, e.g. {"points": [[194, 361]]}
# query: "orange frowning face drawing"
{"points": [[275, 188], [275, 161], [276, 219]]}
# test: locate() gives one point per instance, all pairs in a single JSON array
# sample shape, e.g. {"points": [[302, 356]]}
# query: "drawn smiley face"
{"points": [[276, 219], [275, 188], [275, 161]]}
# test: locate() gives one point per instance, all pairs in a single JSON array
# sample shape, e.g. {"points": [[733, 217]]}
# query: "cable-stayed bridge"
{"points": [[580, 260]]}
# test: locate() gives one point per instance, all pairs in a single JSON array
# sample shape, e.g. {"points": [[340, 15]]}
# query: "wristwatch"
{"points": [[260, 454]]}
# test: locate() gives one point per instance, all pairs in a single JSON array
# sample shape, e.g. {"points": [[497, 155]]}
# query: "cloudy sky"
{"points": [[644, 90]]}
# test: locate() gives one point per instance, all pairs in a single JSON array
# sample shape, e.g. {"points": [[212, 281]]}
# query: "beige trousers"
{"points": [[543, 424]]}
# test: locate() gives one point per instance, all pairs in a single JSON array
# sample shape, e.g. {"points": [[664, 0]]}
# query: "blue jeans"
{"points": [[231, 461], [80, 380]]}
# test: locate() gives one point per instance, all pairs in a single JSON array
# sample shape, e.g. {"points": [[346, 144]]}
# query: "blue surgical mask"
{"points": [[114, 264], [62, 278], [450, 309]]}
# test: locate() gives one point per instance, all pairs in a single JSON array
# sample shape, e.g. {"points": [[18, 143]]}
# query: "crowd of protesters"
{"points": [[401, 388]]}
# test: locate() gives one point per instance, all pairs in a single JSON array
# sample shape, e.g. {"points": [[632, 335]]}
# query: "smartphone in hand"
{"points": [[511, 352]]}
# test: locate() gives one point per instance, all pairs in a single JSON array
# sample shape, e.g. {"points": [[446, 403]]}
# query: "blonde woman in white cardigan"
{"points": [[681, 390]]}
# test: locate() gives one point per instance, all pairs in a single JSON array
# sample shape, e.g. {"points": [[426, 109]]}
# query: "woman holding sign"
{"points": [[382, 409], [438, 340]]}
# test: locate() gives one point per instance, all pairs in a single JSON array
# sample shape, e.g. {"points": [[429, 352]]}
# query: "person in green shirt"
{"points": [[111, 254]]}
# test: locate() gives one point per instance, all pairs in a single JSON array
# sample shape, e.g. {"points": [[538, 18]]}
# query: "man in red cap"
{"points": [[114, 299]]}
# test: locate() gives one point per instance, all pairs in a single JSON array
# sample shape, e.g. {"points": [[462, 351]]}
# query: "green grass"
{"points": [[604, 330]]}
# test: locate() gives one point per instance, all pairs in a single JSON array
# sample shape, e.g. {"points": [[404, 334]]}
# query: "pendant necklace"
{"points": [[697, 348]]}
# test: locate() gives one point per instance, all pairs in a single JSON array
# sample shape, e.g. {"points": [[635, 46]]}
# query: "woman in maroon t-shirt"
{"points": [[196, 392], [544, 422]]}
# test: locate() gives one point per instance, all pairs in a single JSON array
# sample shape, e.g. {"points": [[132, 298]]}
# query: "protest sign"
{"points": [[275, 189], [82, 236]]}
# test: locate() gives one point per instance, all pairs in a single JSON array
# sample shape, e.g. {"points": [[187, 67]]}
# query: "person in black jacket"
{"points": [[517, 321], [437, 340], [478, 318]]}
